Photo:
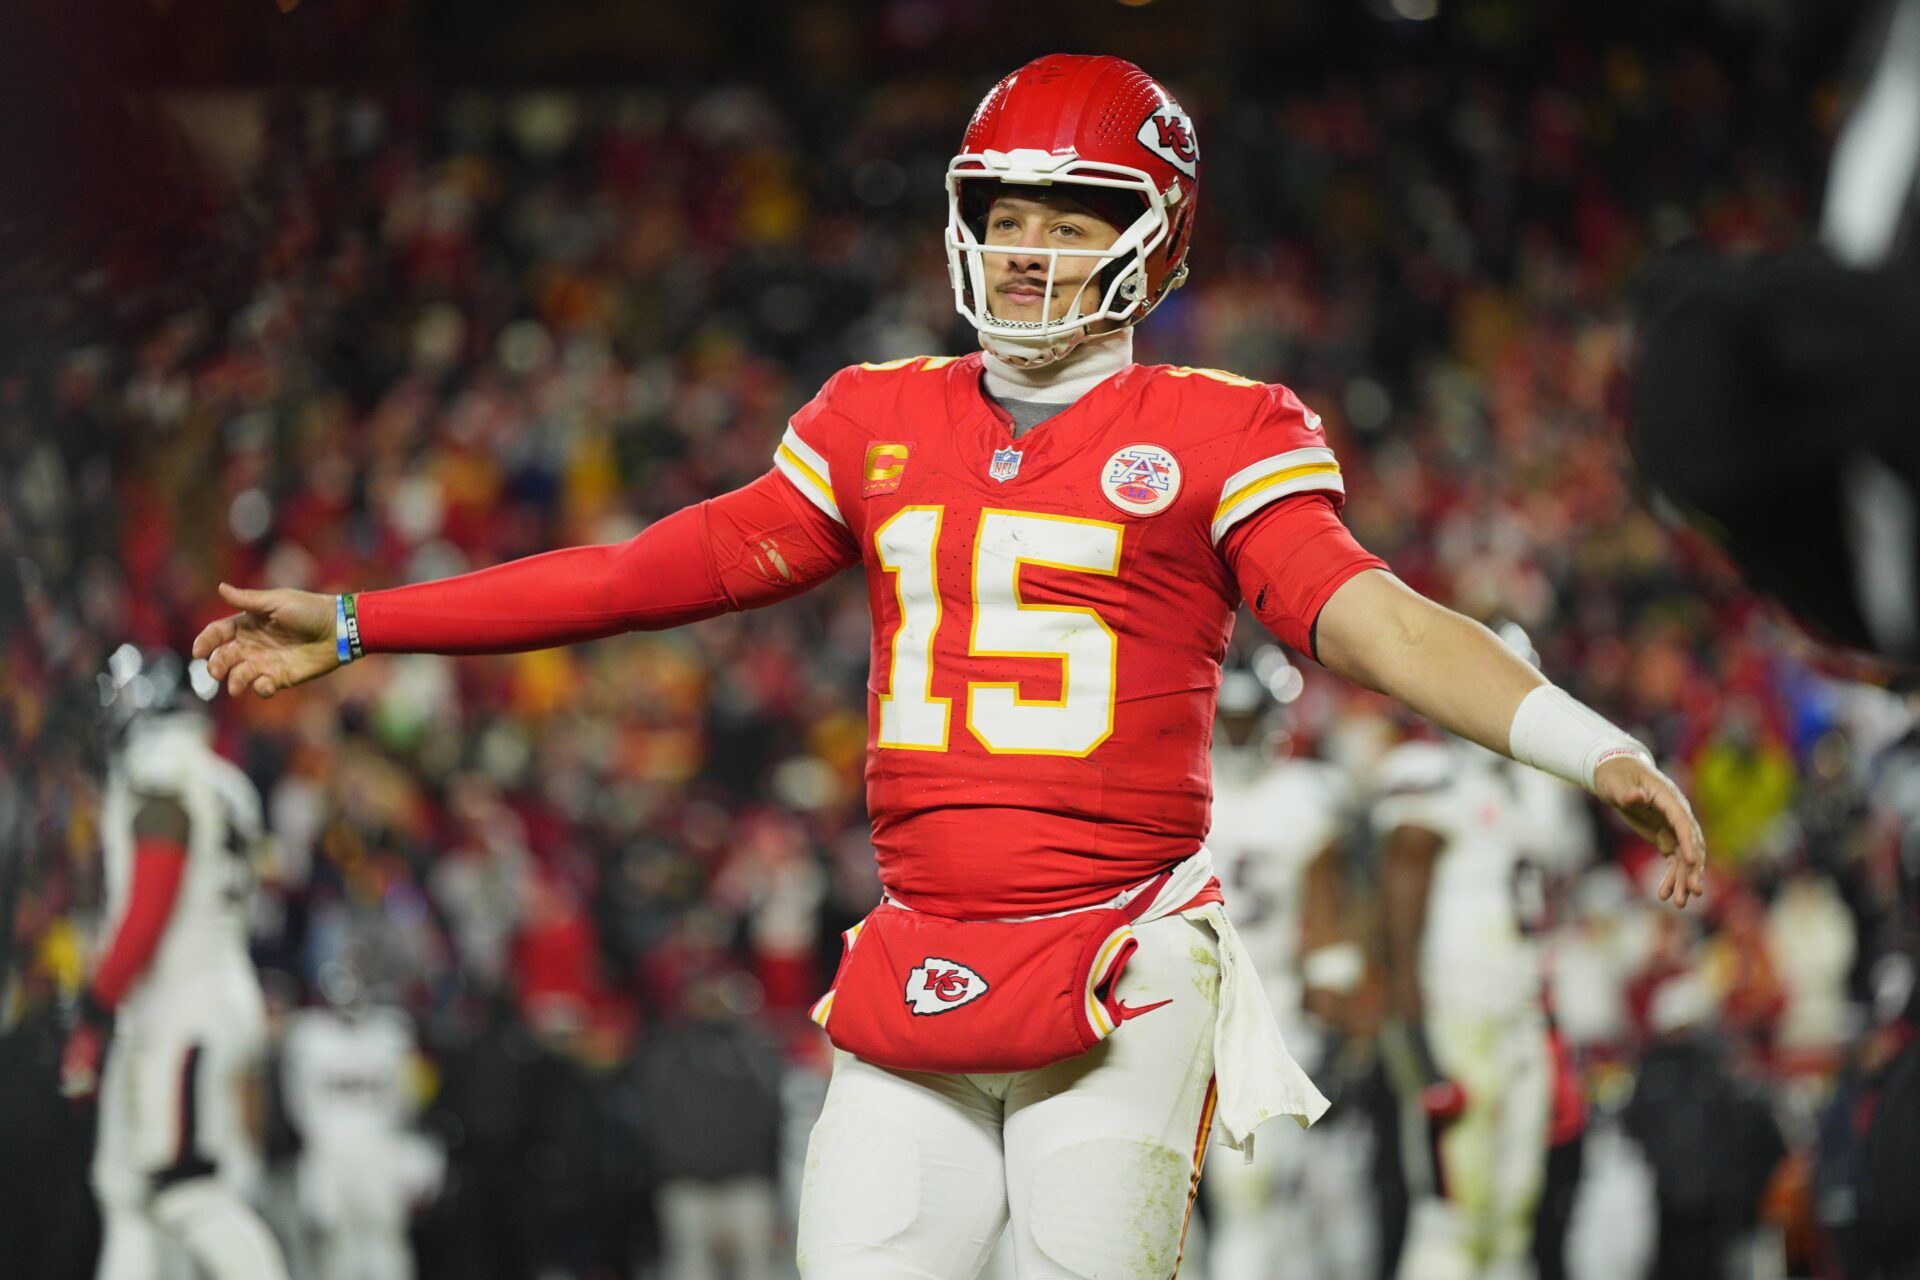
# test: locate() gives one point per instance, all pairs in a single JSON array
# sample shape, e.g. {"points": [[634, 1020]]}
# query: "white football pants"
{"points": [[1092, 1161], [173, 1157], [1301, 1209], [358, 1185], [1493, 1156]]}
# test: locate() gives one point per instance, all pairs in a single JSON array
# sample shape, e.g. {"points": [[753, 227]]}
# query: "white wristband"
{"points": [[1554, 732], [1337, 967]]}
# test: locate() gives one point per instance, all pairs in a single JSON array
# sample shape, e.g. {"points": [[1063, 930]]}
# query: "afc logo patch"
{"points": [[936, 986], [1005, 465], [886, 464], [1168, 133], [1141, 479]]}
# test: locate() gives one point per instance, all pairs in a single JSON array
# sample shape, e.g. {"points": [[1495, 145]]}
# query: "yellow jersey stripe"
{"points": [[800, 465], [1272, 463], [1246, 491], [814, 487], [926, 363]]}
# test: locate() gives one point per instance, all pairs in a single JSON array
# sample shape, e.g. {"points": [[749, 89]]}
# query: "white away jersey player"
{"points": [[174, 1156], [171, 759], [1478, 955], [362, 1168], [346, 1075], [1481, 985], [1270, 819]]}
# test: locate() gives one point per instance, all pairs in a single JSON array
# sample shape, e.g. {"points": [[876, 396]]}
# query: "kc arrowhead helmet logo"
{"points": [[1168, 133], [936, 985]]}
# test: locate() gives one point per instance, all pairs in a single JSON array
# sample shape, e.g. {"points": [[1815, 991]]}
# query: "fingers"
{"points": [[251, 601], [223, 659], [1644, 816], [1656, 809], [216, 640], [1683, 845], [1688, 868], [215, 634], [242, 676], [243, 673]]}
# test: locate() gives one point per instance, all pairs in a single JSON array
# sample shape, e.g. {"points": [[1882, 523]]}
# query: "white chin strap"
{"points": [[1034, 352], [1049, 341]]}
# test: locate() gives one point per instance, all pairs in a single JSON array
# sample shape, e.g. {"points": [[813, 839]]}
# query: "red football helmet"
{"points": [[1098, 123]]}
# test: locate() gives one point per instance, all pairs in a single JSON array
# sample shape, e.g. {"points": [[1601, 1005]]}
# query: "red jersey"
{"points": [[1049, 614]]}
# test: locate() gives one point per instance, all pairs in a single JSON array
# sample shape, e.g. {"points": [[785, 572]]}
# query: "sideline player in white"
{"points": [[362, 1167], [1470, 845], [175, 1157], [1055, 539], [1275, 841]]}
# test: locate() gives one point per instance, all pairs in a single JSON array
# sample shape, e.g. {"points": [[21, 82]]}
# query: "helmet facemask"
{"points": [[1115, 291], [145, 688]]}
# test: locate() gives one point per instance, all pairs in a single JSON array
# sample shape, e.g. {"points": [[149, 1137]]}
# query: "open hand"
{"points": [[279, 639], [1653, 806]]}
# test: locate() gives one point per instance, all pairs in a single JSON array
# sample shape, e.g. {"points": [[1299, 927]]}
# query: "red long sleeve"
{"points": [[757, 545], [158, 866], [1290, 559]]}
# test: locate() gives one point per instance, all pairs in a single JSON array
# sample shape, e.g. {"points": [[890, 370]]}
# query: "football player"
{"points": [[1054, 540], [1277, 822], [174, 986], [1471, 845], [362, 1167]]}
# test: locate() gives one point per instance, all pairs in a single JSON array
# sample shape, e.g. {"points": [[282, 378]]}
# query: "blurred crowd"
{"points": [[452, 329]]}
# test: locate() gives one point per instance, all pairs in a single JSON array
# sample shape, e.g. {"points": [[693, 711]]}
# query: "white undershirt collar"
{"points": [[1065, 380]]}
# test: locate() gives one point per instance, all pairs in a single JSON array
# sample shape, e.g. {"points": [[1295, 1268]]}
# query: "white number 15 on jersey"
{"points": [[1004, 626]]}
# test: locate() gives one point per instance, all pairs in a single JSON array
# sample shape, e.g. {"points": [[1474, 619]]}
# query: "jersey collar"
{"points": [[986, 428], [1065, 380]]}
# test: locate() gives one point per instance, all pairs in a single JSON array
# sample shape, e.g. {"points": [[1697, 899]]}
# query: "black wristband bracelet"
{"points": [[351, 605]]}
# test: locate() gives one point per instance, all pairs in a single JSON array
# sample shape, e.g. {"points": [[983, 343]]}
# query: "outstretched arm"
{"points": [[160, 827], [1378, 632], [744, 549]]}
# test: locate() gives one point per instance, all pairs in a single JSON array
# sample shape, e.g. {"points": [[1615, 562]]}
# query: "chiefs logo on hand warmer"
{"points": [[936, 985]]}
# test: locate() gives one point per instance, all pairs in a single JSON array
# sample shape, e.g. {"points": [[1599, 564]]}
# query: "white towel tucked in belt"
{"points": [[1257, 1078]]}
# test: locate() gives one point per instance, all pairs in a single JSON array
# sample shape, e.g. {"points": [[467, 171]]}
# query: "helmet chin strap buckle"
{"points": [[1034, 352], [1049, 341]]}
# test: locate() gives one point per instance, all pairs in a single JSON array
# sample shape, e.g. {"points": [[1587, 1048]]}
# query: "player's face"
{"points": [[1017, 280]]}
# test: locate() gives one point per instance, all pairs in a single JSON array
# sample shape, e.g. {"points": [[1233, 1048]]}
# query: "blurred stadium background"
{"points": [[343, 295]]}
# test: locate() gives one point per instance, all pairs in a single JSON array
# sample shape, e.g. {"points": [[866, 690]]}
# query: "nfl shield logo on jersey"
{"points": [[1005, 465], [937, 985], [1141, 479]]}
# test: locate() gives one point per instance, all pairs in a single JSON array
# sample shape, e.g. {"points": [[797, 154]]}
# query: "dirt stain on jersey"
{"points": [[1206, 978]]}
